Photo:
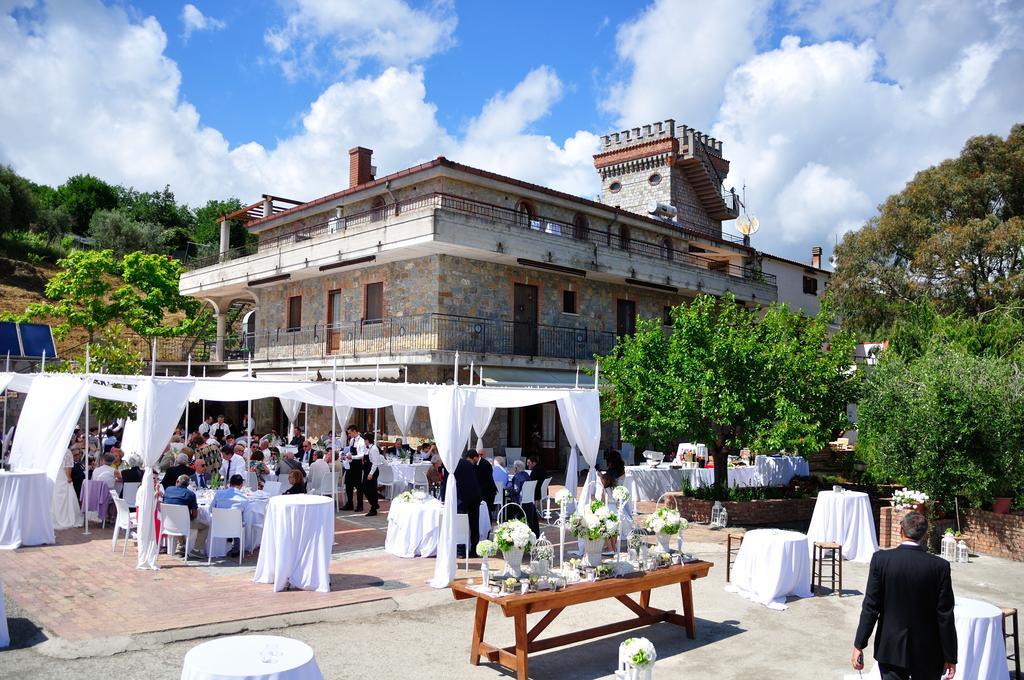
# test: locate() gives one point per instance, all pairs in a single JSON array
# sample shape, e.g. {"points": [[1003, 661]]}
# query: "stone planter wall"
{"points": [[985, 533], [772, 511]]}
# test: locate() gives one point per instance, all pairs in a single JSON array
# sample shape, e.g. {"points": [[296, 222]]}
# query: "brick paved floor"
{"points": [[78, 589]]}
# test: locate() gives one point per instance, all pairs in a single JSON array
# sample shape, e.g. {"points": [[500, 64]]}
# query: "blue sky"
{"points": [[825, 107]]}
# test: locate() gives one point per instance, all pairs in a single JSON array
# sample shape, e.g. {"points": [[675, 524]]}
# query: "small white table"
{"points": [[298, 534], [26, 517], [979, 640], [5, 636], [414, 528], [844, 518], [771, 565], [251, 657]]}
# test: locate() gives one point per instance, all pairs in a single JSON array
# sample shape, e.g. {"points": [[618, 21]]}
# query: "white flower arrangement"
{"points": [[621, 494], [404, 497], [665, 521], [515, 533], [640, 652], [486, 548], [563, 497], [905, 498], [636, 541], [544, 552], [419, 496], [594, 522]]}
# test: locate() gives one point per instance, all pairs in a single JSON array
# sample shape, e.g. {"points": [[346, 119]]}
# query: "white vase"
{"points": [[542, 567], [663, 542], [592, 547], [513, 561], [485, 573]]}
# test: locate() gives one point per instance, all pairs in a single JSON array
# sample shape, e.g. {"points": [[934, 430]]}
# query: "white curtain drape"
{"points": [[451, 411], [159, 405], [404, 414], [481, 419], [48, 418], [291, 408], [580, 411]]}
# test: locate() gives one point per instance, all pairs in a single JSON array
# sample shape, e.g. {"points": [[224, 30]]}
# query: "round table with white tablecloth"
{"points": [[251, 657], [844, 517], [980, 649], [26, 517], [298, 534], [405, 475], [415, 527], [771, 565]]}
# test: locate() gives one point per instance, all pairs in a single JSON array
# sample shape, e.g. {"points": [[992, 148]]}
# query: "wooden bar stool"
{"points": [[731, 552], [1010, 614], [831, 554]]}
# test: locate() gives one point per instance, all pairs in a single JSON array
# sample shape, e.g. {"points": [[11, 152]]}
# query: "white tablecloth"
{"points": [[780, 470], [240, 657], [771, 565], [414, 528], [651, 483], [252, 520], [26, 517], [5, 636], [298, 533], [979, 640], [405, 475], [844, 518]]}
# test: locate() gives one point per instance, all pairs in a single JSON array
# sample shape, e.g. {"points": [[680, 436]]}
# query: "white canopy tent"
{"points": [[454, 412]]}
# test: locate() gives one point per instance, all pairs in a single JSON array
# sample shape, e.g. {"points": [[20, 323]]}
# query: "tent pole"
{"points": [[334, 433], [204, 400], [577, 376], [597, 372], [248, 414], [472, 365], [455, 381], [85, 513], [188, 373], [3, 434], [43, 369], [152, 358], [306, 406]]}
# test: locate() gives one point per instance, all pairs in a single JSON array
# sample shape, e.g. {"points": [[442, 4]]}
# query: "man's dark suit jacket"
{"points": [[538, 473], [910, 595], [467, 486], [172, 474], [485, 476]]}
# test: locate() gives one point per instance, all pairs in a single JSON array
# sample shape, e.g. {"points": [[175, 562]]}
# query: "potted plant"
{"points": [[1001, 502]]}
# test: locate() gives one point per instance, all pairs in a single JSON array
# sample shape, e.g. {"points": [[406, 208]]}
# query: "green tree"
{"points": [[83, 195], [207, 229], [732, 378], [112, 354], [953, 236], [150, 294], [18, 206], [116, 230]]}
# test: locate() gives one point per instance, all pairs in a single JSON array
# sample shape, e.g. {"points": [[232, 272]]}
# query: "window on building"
{"points": [[670, 252], [294, 313], [378, 209], [811, 285], [526, 215], [580, 227], [625, 317], [666, 315], [569, 302], [374, 302], [624, 237], [614, 187], [654, 179]]}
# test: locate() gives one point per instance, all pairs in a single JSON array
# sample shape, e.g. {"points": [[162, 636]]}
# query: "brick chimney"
{"points": [[359, 169], [816, 257]]}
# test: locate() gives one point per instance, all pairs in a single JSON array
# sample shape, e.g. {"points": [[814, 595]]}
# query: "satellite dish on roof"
{"points": [[748, 225]]}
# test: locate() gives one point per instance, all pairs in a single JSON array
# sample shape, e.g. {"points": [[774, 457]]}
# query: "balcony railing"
{"points": [[622, 240], [419, 334]]}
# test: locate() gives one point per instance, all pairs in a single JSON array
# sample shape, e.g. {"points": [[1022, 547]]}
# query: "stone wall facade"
{"points": [[986, 533]]}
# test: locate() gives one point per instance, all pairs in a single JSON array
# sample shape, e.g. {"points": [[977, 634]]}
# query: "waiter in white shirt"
{"points": [[233, 463], [354, 456], [204, 427], [220, 428], [371, 465]]}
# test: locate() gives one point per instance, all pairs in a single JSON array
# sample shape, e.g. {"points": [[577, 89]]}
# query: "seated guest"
{"points": [[105, 472], [108, 441], [233, 496], [180, 494], [499, 472], [118, 455], [616, 470], [258, 466], [234, 462], [319, 468], [519, 477], [179, 468], [307, 452], [424, 452], [297, 437], [435, 474], [201, 477], [290, 462], [298, 482], [131, 471]]}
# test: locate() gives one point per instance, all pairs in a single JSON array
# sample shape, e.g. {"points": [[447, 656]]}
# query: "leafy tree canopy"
{"points": [[733, 378], [17, 202], [954, 236], [116, 230], [112, 354], [208, 223], [83, 195]]}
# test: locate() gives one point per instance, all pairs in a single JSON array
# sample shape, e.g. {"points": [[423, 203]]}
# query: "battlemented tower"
{"points": [[674, 173]]}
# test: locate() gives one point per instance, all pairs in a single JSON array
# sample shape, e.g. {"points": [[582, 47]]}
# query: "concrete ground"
{"points": [[423, 633]]}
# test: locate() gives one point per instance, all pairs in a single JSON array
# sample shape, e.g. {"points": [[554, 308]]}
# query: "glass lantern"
{"points": [[719, 516], [541, 556], [948, 546], [962, 554]]}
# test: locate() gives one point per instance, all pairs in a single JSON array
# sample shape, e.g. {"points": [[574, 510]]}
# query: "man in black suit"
{"points": [[538, 473], [467, 486], [484, 476], [910, 595]]}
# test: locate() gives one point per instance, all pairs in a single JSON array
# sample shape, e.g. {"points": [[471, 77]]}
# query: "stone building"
{"points": [[391, 276]]}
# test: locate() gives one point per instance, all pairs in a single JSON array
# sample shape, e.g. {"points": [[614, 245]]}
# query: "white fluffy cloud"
{"points": [[194, 20]]}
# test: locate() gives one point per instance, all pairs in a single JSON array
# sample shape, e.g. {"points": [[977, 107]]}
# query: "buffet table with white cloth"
{"points": [[251, 657], [652, 482], [252, 519], [771, 565], [780, 470], [844, 517], [298, 534], [26, 517], [414, 527]]}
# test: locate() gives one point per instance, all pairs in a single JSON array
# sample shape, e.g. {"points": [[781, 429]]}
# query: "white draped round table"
{"points": [[298, 533], [414, 528], [251, 657], [771, 565], [979, 640], [26, 517], [845, 518]]}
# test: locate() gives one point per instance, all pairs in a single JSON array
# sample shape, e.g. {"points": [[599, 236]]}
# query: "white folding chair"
{"points": [[175, 522], [499, 498], [272, 488], [128, 492], [386, 479], [225, 523], [125, 520], [314, 480], [528, 492], [462, 534], [419, 479]]}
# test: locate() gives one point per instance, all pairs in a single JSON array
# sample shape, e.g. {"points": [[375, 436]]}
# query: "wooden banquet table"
{"points": [[518, 606]]}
